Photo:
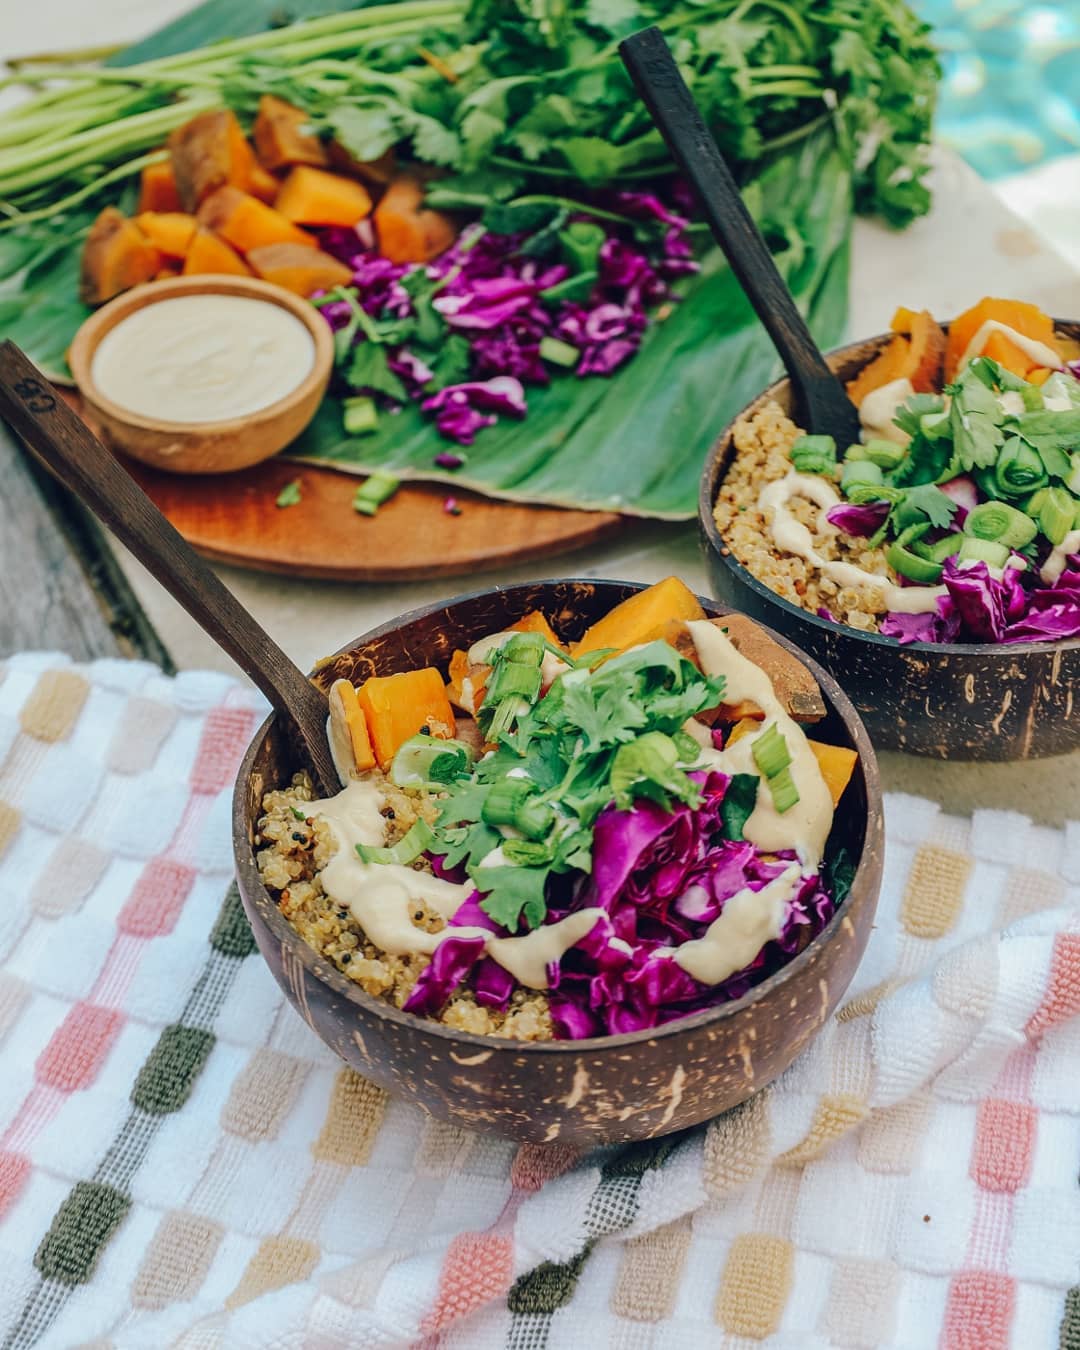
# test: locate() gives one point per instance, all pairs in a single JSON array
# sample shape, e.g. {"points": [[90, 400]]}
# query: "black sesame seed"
{"points": [[298, 836], [390, 813], [425, 730], [345, 958]]}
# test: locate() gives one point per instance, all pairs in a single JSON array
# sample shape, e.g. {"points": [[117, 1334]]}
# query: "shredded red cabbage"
{"points": [[493, 294], [661, 877], [979, 607], [859, 520]]}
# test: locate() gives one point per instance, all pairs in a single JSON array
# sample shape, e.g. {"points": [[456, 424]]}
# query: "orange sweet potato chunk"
{"points": [[298, 268], [408, 231], [398, 706], [280, 141], [535, 622], [314, 197], [170, 231], [263, 184], [1026, 319], [209, 152], [916, 353], [207, 254], [157, 189], [247, 223], [116, 256], [998, 348]]}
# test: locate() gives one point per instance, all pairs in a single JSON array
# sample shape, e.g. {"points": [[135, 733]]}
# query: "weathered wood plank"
{"points": [[60, 586]]}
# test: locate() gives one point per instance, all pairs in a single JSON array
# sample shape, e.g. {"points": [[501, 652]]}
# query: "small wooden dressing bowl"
{"points": [[203, 447]]}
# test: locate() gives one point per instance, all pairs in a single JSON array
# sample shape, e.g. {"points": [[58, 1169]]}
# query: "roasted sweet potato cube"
{"points": [[116, 256], [157, 188], [298, 268], [408, 231], [247, 223], [281, 141], [208, 152]]}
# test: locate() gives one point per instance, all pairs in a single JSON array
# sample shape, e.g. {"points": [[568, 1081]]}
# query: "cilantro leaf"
{"points": [[910, 413], [368, 369], [512, 894], [974, 419], [927, 501]]}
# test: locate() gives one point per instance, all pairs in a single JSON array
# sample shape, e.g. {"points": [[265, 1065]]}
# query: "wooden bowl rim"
{"points": [[870, 859], [710, 485], [86, 341]]}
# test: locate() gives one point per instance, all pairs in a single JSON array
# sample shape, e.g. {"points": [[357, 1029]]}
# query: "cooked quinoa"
{"points": [[291, 853], [763, 454]]}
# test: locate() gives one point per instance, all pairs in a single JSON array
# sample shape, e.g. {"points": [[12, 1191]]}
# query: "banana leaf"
{"points": [[636, 442]]}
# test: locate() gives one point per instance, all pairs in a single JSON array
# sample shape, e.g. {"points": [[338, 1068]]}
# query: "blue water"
{"points": [[1011, 95]]}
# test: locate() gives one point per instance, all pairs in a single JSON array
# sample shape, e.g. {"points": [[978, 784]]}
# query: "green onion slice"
{"points": [[860, 471], [814, 454], [407, 849], [1002, 523], [909, 564], [512, 802], [784, 792], [983, 550], [770, 751], [1057, 514], [1019, 469], [885, 454]]}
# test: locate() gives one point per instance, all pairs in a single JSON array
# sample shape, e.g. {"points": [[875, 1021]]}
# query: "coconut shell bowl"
{"points": [[963, 701], [585, 1092]]}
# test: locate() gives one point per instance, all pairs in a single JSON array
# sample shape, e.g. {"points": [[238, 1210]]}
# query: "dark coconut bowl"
{"points": [[971, 701], [585, 1092]]}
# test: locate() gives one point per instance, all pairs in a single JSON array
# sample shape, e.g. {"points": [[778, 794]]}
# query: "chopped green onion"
{"points": [[298, 813], [513, 802], [289, 494], [860, 471], [907, 563], [688, 748], [813, 454], [515, 683], [854, 453], [407, 849], [528, 852], [360, 416], [1032, 396], [1073, 480], [1034, 503], [370, 495], [872, 492], [784, 792], [983, 550], [885, 454], [934, 426], [944, 548], [1056, 514], [559, 353], [1002, 523], [770, 751], [1019, 469], [427, 762]]}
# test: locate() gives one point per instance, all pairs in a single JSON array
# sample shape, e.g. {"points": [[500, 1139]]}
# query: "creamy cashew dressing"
{"points": [[791, 536], [203, 358], [1054, 565], [805, 827], [880, 406], [1039, 352], [748, 920], [380, 895]]}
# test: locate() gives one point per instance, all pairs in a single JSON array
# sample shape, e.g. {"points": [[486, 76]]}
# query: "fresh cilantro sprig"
{"points": [[598, 735]]}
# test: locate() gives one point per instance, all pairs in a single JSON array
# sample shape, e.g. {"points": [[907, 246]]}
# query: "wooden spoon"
{"points": [[78, 459], [822, 403]]}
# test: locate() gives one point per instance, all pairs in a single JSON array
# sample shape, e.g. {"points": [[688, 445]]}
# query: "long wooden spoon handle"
{"points": [[78, 459], [663, 90]]}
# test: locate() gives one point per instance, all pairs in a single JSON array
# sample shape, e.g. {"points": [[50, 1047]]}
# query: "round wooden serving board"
{"points": [[233, 518]]}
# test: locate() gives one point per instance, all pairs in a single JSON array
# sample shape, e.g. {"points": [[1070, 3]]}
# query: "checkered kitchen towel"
{"points": [[182, 1163]]}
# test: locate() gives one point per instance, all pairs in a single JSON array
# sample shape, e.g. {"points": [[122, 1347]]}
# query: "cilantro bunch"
{"points": [[613, 734]]}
